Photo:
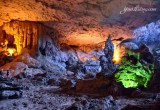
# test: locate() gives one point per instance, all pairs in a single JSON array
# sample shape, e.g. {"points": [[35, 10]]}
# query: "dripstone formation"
{"points": [[106, 63]]}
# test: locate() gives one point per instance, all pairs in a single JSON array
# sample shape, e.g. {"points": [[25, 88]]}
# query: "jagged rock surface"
{"points": [[28, 60], [78, 19], [108, 66], [8, 90], [14, 68]]}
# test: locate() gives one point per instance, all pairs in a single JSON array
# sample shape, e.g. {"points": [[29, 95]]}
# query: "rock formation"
{"points": [[109, 49], [54, 47], [24, 34], [108, 66], [80, 20], [8, 90]]}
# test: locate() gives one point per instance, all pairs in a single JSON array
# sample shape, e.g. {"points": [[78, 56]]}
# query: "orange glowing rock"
{"points": [[94, 58], [25, 34], [83, 59], [118, 54]]}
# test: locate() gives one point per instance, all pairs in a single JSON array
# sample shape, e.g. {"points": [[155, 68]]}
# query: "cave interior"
{"points": [[79, 55]]}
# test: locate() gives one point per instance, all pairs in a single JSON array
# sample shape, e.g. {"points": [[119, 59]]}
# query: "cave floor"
{"points": [[44, 97]]}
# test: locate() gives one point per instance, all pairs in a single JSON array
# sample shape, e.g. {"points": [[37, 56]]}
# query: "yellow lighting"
{"points": [[83, 59], [94, 58], [25, 34], [11, 51], [118, 54]]}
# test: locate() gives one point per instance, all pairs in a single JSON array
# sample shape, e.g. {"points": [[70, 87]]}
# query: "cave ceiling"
{"points": [[81, 22]]}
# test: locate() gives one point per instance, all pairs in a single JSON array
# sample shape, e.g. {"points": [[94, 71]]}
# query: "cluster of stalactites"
{"points": [[25, 34]]}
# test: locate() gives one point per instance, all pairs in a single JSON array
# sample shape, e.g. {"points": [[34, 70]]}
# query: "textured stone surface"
{"points": [[14, 68], [28, 60], [148, 33], [92, 67], [84, 25], [106, 62], [91, 85], [109, 49], [9, 90], [80, 20]]}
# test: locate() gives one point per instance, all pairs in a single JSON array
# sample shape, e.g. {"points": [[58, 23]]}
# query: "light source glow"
{"points": [[118, 54], [11, 51]]}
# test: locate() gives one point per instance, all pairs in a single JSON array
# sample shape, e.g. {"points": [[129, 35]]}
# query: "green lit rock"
{"points": [[132, 73]]}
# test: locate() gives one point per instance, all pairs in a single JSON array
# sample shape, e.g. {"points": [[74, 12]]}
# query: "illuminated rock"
{"points": [[92, 67], [130, 45], [25, 34], [9, 90], [108, 66], [28, 60], [80, 20], [71, 64], [14, 68], [109, 48], [148, 33], [30, 72], [92, 70]]}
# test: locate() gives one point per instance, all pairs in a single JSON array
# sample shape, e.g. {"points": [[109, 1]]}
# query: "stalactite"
{"points": [[25, 34]]}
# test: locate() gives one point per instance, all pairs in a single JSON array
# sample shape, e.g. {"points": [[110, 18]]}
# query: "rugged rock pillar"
{"points": [[108, 66], [109, 48]]}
